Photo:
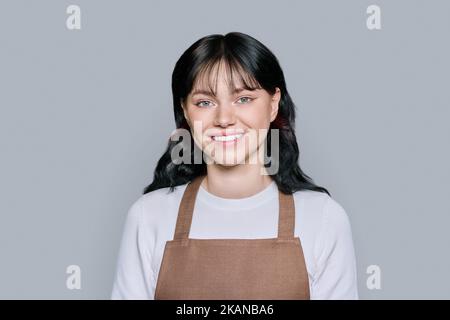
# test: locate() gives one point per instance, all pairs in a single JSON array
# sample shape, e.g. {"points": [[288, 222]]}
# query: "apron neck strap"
{"points": [[286, 216]]}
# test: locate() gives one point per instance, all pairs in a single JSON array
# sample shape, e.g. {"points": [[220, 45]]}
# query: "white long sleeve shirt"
{"points": [[320, 222]]}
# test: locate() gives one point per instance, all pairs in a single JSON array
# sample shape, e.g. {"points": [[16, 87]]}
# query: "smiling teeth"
{"points": [[227, 138]]}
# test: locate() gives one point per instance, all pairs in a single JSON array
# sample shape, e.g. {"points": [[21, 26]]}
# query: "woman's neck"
{"points": [[235, 182]]}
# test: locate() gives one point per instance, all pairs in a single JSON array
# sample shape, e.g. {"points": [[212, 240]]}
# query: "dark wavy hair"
{"points": [[257, 67]]}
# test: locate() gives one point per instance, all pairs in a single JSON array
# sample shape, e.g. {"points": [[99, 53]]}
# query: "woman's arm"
{"points": [[133, 272], [335, 276]]}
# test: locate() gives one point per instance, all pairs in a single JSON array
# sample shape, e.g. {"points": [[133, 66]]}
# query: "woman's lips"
{"points": [[228, 139]]}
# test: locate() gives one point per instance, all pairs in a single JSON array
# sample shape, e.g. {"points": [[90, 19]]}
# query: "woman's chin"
{"points": [[227, 162]]}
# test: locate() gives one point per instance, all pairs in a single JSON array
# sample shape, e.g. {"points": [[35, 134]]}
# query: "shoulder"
{"points": [[161, 197], [319, 213], [156, 209], [319, 205]]}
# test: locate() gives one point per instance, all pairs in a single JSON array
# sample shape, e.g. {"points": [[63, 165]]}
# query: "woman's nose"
{"points": [[224, 116]]}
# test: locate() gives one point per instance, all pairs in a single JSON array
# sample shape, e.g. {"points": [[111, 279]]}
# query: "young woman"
{"points": [[230, 224]]}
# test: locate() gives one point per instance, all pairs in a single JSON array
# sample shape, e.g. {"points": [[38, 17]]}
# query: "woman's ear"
{"points": [[275, 101]]}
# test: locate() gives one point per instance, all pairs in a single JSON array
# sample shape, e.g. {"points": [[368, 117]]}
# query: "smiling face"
{"points": [[227, 124]]}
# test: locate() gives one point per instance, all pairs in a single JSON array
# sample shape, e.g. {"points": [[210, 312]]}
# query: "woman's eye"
{"points": [[199, 104], [205, 103], [246, 99]]}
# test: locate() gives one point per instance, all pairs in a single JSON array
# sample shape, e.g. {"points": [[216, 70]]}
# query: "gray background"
{"points": [[86, 114]]}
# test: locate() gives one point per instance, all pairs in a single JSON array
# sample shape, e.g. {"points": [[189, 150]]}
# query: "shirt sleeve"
{"points": [[335, 277], [133, 275]]}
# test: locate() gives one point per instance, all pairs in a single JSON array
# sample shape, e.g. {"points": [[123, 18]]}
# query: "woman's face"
{"points": [[228, 126]]}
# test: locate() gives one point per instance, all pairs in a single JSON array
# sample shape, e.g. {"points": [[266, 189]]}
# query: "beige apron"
{"points": [[227, 269]]}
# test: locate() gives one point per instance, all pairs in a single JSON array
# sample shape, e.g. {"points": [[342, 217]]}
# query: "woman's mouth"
{"points": [[228, 139]]}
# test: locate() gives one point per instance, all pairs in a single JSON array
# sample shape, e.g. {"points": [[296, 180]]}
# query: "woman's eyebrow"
{"points": [[209, 93], [205, 92]]}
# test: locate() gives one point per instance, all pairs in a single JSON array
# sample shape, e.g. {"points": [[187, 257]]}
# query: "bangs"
{"points": [[235, 76]]}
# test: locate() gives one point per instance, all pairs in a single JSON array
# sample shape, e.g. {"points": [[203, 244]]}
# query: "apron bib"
{"points": [[232, 269]]}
